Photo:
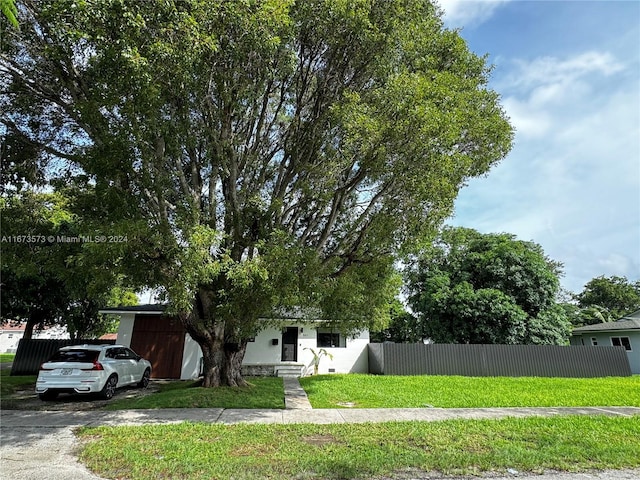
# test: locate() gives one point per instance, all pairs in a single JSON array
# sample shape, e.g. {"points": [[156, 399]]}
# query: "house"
{"points": [[624, 332], [276, 350], [11, 333]]}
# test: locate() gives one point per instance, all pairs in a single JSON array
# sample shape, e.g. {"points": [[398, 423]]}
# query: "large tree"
{"points": [[47, 275], [403, 327], [470, 287], [258, 155], [606, 299]]}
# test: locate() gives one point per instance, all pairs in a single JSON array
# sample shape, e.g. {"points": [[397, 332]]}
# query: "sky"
{"points": [[568, 73]]}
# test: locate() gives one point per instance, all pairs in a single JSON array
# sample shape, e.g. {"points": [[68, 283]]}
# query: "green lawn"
{"points": [[7, 357], [201, 451], [370, 391], [263, 392], [9, 384]]}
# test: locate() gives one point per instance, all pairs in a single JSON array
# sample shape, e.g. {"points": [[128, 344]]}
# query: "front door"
{"points": [[290, 344]]}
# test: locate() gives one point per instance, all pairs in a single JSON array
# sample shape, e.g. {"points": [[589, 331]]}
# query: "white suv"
{"points": [[91, 369]]}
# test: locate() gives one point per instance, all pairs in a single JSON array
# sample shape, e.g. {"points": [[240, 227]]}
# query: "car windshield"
{"points": [[78, 356]]}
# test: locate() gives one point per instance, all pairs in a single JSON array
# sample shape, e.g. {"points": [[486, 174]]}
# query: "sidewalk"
{"points": [[297, 410], [23, 418]]}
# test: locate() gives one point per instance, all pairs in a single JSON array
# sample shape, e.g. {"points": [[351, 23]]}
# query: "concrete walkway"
{"points": [[23, 418], [295, 398]]}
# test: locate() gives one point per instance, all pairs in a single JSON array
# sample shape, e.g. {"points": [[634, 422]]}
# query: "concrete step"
{"points": [[289, 370]]}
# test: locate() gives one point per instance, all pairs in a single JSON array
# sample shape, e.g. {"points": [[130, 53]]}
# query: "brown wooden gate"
{"points": [[160, 340]]}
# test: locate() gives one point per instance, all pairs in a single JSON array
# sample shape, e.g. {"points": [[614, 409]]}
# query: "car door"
{"points": [[134, 367], [111, 358]]}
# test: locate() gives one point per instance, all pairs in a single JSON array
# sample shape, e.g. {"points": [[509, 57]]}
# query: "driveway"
{"points": [[40, 453]]}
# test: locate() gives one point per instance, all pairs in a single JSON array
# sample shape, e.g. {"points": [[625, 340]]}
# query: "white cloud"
{"points": [[618, 264], [572, 181], [459, 13], [555, 71], [546, 90], [527, 120]]}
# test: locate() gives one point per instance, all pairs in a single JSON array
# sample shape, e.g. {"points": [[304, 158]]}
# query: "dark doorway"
{"points": [[290, 344]]}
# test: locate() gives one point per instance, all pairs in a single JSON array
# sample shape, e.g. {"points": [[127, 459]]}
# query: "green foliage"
{"points": [[48, 272], [475, 288], [10, 11], [258, 155], [403, 327], [606, 299]]}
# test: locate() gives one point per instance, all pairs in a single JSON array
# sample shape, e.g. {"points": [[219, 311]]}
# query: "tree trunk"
{"points": [[35, 318], [222, 364], [222, 360]]}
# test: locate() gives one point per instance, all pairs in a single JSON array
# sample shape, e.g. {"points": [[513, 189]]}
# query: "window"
{"points": [[594, 341], [327, 338], [76, 356], [130, 353], [621, 342]]}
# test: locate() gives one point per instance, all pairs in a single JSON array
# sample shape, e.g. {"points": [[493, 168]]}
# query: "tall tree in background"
{"points": [[48, 276], [403, 327], [258, 155], [475, 288], [606, 299]]}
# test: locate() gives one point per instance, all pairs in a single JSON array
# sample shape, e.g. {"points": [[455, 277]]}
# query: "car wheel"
{"points": [[109, 387], [48, 395], [144, 381]]}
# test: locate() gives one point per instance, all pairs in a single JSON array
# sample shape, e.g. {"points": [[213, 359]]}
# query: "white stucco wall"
{"points": [[9, 341], [125, 329], [191, 356], [351, 359], [9, 338]]}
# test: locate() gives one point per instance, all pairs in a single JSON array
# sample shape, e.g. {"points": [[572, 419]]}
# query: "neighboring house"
{"points": [[108, 336], [623, 333], [11, 333], [281, 350]]}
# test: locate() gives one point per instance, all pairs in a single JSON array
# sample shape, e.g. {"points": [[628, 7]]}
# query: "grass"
{"points": [[202, 451], [7, 357], [369, 391], [263, 392], [9, 384]]}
